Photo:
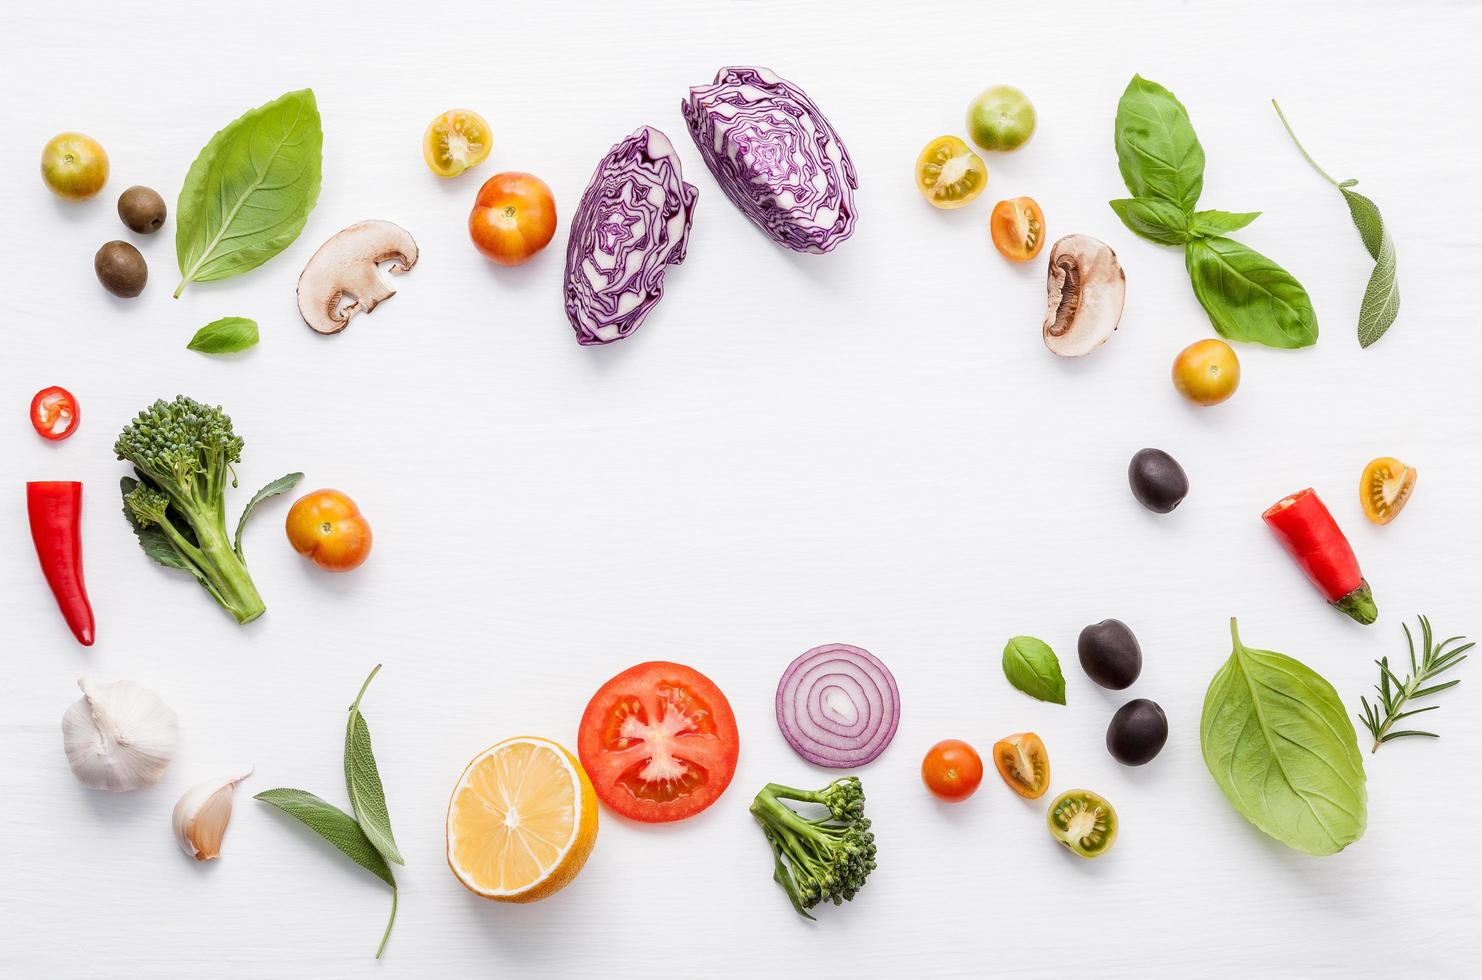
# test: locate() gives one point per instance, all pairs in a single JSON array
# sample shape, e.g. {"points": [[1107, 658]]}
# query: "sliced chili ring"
{"points": [[54, 413]]}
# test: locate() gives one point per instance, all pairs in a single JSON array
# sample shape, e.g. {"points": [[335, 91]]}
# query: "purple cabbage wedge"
{"points": [[633, 222], [775, 156]]}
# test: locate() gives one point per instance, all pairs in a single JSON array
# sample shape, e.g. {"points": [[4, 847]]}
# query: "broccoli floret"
{"points": [[823, 858], [183, 453]]}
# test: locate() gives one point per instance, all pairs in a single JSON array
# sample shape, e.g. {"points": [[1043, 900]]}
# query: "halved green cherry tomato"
{"points": [[1084, 822], [54, 413], [949, 174]]}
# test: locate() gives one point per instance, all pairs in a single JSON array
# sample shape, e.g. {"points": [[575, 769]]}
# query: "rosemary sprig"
{"points": [[1394, 693]]}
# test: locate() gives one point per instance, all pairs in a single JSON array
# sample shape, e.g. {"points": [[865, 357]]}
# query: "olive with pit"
{"points": [[142, 209], [1110, 654], [1158, 482], [1137, 732], [121, 269]]}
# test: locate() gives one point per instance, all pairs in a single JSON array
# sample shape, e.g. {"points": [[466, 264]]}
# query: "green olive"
{"points": [[141, 209], [121, 269], [1083, 822]]}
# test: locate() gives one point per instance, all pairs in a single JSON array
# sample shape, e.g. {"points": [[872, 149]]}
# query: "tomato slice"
{"points": [[949, 174], [54, 413], [659, 742], [1018, 228], [454, 141], [1385, 488], [1023, 763]]}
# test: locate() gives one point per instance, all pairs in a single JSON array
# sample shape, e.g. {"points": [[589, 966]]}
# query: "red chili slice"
{"points": [[54, 413]]}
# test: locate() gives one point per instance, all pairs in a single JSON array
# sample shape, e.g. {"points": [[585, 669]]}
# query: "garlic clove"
{"points": [[201, 816], [119, 736]]}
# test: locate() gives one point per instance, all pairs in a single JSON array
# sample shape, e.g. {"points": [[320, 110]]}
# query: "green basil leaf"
{"points": [[1157, 150], [1279, 744], [1153, 219], [1382, 296], [281, 485], [1032, 667], [1248, 297], [1212, 224], [228, 335], [151, 539], [250, 190], [363, 781], [333, 824]]}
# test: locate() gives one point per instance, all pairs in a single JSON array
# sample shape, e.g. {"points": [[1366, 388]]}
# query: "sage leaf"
{"points": [[1153, 219], [1158, 151], [1249, 297], [250, 190], [1212, 224], [1280, 745], [1381, 303], [363, 781], [228, 335], [1032, 667], [281, 485], [333, 824], [151, 539]]}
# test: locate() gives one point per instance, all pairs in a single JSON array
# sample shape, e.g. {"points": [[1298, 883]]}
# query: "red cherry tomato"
{"points": [[952, 770], [513, 217], [328, 529], [54, 413]]}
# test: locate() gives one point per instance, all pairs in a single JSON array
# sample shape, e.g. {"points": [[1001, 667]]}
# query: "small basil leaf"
{"points": [[281, 485], [1211, 224], [1249, 297], [1382, 296], [225, 336], [1032, 667], [1158, 151], [333, 824], [363, 782], [1153, 219]]}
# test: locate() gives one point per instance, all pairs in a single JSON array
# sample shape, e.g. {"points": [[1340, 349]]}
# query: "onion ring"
{"points": [[838, 706]]}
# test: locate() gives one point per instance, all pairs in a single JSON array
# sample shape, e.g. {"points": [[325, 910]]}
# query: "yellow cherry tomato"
{"points": [[1385, 488], [74, 166], [1206, 373], [949, 174], [454, 141]]}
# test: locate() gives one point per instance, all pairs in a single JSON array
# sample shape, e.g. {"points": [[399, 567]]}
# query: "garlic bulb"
{"points": [[120, 736], [201, 816]]}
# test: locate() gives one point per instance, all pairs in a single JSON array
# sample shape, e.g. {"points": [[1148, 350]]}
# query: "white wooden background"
{"points": [[871, 447]]}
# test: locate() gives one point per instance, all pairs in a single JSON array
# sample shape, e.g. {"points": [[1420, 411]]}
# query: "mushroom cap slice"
{"points": [[1086, 290], [346, 268]]}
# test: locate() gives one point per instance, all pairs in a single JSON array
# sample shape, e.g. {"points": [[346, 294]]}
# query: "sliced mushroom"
{"points": [[346, 268], [1086, 288]]}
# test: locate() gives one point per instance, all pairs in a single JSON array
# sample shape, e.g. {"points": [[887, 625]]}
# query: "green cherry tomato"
{"points": [[1001, 118], [74, 166], [1083, 822]]}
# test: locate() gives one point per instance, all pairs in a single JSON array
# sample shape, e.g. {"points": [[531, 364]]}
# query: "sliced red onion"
{"points": [[838, 706]]}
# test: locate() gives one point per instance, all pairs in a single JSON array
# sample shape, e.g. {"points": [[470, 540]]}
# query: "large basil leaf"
{"points": [[1032, 667], [1247, 296], [1279, 744], [249, 192], [1157, 150], [1157, 221]]}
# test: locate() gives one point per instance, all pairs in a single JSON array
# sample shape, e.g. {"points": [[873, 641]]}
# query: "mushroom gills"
{"points": [[343, 278], [1086, 289]]}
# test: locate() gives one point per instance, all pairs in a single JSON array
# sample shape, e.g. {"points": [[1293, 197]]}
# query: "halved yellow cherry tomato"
{"points": [[454, 141], [1018, 229], [1385, 488], [949, 174]]}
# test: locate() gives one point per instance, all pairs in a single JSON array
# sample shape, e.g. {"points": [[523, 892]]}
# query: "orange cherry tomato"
{"points": [[1023, 763], [513, 218], [952, 770], [1385, 488], [1206, 373], [328, 529], [1018, 229], [54, 413]]}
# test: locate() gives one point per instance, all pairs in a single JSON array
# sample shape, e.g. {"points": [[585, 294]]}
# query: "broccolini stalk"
{"points": [[823, 858]]}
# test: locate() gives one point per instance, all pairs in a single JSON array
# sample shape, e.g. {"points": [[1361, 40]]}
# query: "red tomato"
{"points": [[952, 770], [328, 529], [54, 413], [513, 217], [659, 742]]}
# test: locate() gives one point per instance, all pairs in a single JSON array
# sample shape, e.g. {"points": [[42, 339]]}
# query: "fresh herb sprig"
{"points": [[1435, 659]]}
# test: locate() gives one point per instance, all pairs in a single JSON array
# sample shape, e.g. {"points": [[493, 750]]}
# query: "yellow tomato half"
{"points": [[949, 174], [454, 141], [1385, 488]]}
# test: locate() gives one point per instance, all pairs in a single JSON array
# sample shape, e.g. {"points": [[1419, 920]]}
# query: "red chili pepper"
{"points": [[55, 508], [1310, 535], [54, 413]]}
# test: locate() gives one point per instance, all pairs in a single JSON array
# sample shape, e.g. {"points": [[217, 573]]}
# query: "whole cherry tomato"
{"points": [[74, 166], [952, 770], [1206, 373], [513, 218], [54, 413], [1018, 228], [328, 529]]}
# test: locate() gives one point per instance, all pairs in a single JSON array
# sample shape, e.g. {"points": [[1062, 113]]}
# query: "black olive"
{"points": [[1158, 482], [1109, 654], [141, 209], [121, 269], [1137, 732]]}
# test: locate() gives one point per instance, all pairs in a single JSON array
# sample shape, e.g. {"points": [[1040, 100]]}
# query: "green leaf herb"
{"points": [[1382, 295], [1032, 667], [228, 335], [1247, 296], [1435, 659], [151, 539], [363, 841], [281, 485], [363, 781], [1278, 742], [250, 190]]}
